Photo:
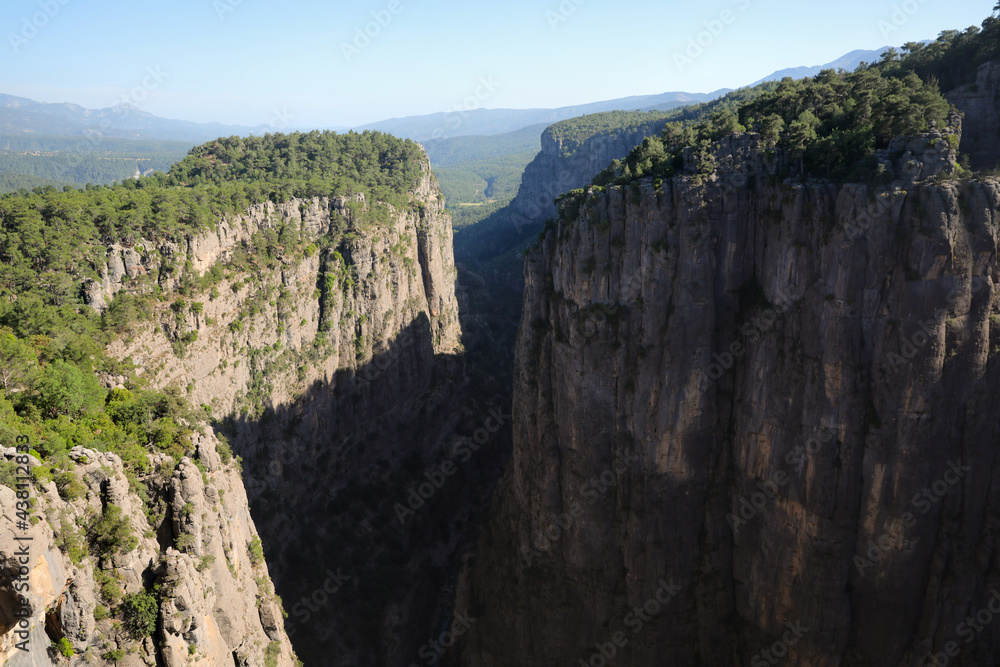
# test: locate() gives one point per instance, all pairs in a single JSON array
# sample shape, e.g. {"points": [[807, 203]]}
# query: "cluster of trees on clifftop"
{"points": [[312, 164], [832, 123]]}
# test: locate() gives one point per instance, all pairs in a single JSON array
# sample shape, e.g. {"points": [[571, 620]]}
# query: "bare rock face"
{"points": [[980, 103], [562, 165], [753, 424], [207, 582]]}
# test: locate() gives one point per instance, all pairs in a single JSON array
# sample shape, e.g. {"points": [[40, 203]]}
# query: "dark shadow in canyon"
{"points": [[368, 487]]}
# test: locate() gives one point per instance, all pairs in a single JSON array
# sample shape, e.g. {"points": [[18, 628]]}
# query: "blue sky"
{"points": [[302, 63]]}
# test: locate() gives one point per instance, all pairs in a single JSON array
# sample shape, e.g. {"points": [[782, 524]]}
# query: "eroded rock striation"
{"points": [[753, 424], [192, 541]]}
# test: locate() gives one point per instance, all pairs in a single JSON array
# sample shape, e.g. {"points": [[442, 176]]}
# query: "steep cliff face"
{"points": [[980, 102], [284, 272], [564, 163], [193, 539], [324, 336], [753, 424]]}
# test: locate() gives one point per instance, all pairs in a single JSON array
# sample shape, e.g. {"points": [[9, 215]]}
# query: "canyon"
{"points": [[753, 422]]}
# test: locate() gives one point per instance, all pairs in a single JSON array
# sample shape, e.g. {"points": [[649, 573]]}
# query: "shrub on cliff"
{"points": [[140, 612], [111, 533]]}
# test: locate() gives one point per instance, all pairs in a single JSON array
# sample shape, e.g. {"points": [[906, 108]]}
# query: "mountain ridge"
{"points": [[848, 61], [70, 119]]}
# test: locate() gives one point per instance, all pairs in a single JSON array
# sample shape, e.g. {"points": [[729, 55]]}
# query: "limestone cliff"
{"points": [[323, 336], [193, 544], [563, 164], [754, 424], [980, 102]]}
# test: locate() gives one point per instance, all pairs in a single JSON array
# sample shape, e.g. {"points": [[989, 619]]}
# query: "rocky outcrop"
{"points": [[753, 424], [323, 335], [201, 569], [566, 164], [347, 291], [980, 103], [562, 165]]}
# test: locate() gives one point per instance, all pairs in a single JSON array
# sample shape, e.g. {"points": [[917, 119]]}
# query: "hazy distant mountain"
{"points": [[21, 116], [457, 150], [501, 121], [25, 117], [847, 62]]}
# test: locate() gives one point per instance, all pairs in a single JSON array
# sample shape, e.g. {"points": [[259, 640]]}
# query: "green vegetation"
{"points": [[114, 655], [69, 487], [15, 182], [52, 345], [952, 59], [571, 134], [140, 612], [27, 162], [463, 150], [110, 532], [316, 164], [474, 190], [64, 648], [832, 124], [466, 216], [272, 654], [483, 180], [256, 550], [479, 175]]}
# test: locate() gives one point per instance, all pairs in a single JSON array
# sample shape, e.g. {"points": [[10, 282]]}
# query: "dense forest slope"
{"points": [[754, 394]]}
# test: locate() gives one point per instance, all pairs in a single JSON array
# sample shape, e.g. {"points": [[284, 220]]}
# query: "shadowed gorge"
{"points": [[711, 385]]}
